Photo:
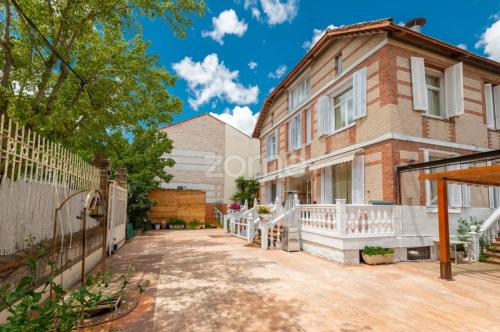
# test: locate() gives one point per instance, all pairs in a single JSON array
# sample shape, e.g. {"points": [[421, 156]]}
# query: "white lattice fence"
{"points": [[36, 175]]}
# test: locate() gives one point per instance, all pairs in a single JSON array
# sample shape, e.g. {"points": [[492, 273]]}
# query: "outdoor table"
{"points": [[454, 244]]}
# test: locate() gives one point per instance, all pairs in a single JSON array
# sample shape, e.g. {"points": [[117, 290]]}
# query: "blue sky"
{"points": [[212, 62]]}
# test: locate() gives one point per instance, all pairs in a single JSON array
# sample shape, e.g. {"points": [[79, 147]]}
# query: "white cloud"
{"points": [[239, 117], [226, 23], [317, 34], [276, 11], [211, 79], [278, 73], [462, 46], [490, 40], [252, 65], [271, 89]]}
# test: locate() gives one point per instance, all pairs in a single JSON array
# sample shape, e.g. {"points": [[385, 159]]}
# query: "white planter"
{"points": [[157, 226], [378, 259]]}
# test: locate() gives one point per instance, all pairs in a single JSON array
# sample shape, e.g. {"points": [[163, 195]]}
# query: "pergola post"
{"points": [[444, 230]]}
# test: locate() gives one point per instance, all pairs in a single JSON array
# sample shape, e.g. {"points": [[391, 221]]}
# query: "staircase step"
{"points": [[492, 254], [493, 260]]}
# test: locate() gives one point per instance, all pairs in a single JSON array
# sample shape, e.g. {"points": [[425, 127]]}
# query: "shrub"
{"points": [[375, 251], [263, 210], [176, 221]]}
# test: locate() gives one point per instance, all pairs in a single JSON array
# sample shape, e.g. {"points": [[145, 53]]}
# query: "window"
{"points": [[295, 133], [339, 63], [342, 182], [299, 94], [308, 126], [492, 101], [272, 145], [344, 110], [432, 200], [435, 99]]}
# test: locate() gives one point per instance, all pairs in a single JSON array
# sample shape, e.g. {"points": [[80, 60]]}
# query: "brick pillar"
{"points": [[104, 166], [122, 177]]}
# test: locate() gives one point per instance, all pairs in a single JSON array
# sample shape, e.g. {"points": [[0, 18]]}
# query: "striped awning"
{"points": [[333, 160], [266, 178], [295, 171]]}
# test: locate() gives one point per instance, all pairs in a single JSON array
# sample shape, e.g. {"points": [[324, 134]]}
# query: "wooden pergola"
{"points": [[481, 176]]}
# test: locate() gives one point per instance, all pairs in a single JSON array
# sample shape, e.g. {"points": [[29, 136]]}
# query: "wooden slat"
{"points": [[483, 176]]}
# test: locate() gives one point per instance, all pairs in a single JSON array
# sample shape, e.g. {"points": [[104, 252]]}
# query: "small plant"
{"points": [[176, 221], [235, 207], [263, 210], [377, 251], [194, 224]]}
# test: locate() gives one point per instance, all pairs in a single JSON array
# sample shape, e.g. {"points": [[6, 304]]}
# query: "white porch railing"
{"points": [[348, 220], [245, 223], [490, 228]]}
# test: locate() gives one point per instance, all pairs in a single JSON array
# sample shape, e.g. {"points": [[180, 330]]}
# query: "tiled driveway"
{"points": [[206, 281]]}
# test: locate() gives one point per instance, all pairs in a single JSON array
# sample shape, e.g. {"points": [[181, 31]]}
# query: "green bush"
{"points": [[194, 224], [176, 221], [263, 210], [375, 251]]}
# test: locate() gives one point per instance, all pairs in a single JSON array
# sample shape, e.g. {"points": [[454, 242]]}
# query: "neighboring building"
{"points": [[368, 97], [209, 155]]}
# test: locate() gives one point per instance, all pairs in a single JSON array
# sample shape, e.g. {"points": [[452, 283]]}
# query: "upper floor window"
{"points": [[435, 94], [339, 63], [492, 101], [344, 109], [272, 145], [295, 133], [299, 94]]}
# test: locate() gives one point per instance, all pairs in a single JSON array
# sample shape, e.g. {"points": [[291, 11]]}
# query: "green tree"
{"points": [[146, 162], [247, 190]]}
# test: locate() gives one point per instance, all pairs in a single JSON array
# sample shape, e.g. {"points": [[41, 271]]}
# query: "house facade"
{"points": [[367, 98], [209, 155]]}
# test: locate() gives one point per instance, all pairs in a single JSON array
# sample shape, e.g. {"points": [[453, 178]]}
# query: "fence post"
{"points": [[122, 177], [250, 228], [104, 166], [476, 247], [339, 214]]}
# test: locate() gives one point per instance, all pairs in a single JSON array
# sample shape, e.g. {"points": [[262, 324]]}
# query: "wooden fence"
{"points": [[184, 204]]}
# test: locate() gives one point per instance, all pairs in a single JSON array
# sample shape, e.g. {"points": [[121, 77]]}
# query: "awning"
{"points": [[292, 172], [333, 160], [268, 178]]}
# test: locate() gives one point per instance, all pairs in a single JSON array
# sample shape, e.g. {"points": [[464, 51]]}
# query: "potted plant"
{"points": [[195, 224], [378, 255], [264, 213], [234, 207], [176, 223]]}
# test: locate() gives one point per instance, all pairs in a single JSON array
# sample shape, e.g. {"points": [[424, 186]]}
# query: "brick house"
{"points": [[209, 155], [368, 97]]}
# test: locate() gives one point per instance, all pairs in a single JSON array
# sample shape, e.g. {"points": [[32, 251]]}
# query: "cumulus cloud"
{"points": [[241, 118], [276, 11], [252, 65], [278, 73], [490, 40], [211, 79], [226, 23], [317, 34], [462, 46]]}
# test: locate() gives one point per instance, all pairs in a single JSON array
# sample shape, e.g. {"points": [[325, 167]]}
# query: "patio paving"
{"points": [[206, 281]]}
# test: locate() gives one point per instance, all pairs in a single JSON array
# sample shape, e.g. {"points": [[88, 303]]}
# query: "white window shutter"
{"points": [[496, 97], [359, 93], [267, 193], [322, 186], [290, 135], [308, 126], [324, 115], [490, 107], [418, 86], [328, 185], [358, 179], [466, 197], [454, 190], [454, 90]]}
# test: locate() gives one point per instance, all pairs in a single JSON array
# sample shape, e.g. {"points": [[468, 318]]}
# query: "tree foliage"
{"points": [[247, 190]]}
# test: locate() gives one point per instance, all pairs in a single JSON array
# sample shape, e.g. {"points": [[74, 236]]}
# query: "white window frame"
{"points": [[308, 127], [295, 142], [274, 155], [442, 107], [304, 83], [492, 106], [339, 63], [334, 110]]}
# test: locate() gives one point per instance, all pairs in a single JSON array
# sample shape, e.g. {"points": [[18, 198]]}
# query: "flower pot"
{"points": [[157, 227], [176, 226], [164, 224], [378, 259], [265, 217]]}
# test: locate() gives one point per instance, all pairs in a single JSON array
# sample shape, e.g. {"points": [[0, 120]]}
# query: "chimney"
{"points": [[416, 24]]}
